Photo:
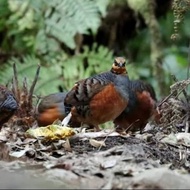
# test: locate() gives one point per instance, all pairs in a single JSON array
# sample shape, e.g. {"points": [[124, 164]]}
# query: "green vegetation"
{"points": [[72, 40]]}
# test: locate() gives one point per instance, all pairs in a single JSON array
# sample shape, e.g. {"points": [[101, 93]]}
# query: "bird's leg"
{"points": [[89, 127], [97, 128], [83, 127], [66, 120]]}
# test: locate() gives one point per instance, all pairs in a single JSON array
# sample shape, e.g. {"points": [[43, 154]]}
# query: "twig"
{"points": [[171, 94], [188, 61], [25, 84], [16, 89], [183, 90], [165, 99], [106, 138], [132, 124], [95, 134], [33, 86], [187, 126], [180, 91], [23, 99]]}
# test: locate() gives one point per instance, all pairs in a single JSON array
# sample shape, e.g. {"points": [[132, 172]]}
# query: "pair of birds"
{"points": [[108, 96]]}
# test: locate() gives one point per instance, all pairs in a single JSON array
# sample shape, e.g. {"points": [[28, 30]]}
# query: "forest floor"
{"points": [[159, 158], [110, 161]]}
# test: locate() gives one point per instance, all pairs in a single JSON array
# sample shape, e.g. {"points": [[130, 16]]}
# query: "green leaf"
{"points": [[49, 77], [70, 17]]}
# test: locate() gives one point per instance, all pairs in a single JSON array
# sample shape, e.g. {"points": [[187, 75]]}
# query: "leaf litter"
{"points": [[58, 157]]}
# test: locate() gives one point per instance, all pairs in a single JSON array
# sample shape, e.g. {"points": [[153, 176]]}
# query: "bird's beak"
{"points": [[121, 64]]}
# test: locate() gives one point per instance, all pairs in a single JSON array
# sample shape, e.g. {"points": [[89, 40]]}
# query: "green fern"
{"points": [[49, 77], [57, 21], [60, 71], [71, 17], [98, 61]]}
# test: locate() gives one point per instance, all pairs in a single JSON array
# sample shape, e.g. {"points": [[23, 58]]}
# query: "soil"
{"points": [[80, 164]]}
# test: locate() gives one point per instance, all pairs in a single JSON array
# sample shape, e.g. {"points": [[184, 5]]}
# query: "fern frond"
{"points": [[70, 17], [41, 23], [53, 75], [100, 58], [102, 6], [74, 68], [49, 77]]}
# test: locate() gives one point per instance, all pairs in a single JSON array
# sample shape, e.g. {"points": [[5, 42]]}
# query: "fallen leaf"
{"points": [[3, 138], [96, 143], [107, 133], [177, 139], [20, 153], [58, 153], [3, 135], [67, 145], [170, 139], [58, 144], [51, 132], [183, 138], [108, 164], [57, 164], [29, 141]]}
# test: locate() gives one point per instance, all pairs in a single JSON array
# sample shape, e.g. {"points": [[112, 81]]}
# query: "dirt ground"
{"points": [[112, 162]]}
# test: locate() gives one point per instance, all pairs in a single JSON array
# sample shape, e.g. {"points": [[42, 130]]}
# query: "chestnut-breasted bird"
{"points": [[141, 106], [51, 108], [8, 104], [100, 98]]}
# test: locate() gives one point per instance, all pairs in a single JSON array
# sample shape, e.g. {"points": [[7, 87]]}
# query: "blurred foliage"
{"points": [[71, 40], [44, 24], [35, 32], [180, 7], [63, 73]]}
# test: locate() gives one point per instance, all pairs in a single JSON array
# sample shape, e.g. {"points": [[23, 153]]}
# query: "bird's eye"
{"points": [[116, 63]]}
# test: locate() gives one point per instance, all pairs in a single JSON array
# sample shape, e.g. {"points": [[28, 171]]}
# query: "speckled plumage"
{"points": [[141, 106], [51, 108], [100, 98], [8, 104]]}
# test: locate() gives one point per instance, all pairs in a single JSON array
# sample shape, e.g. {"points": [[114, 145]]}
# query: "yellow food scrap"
{"points": [[51, 132]]}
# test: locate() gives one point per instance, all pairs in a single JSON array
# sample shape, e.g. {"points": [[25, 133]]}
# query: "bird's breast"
{"points": [[107, 104]]}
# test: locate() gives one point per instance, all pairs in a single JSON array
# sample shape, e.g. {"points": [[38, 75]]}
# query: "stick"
{"points": [[183, 90], [33, 86], [15, 83]]}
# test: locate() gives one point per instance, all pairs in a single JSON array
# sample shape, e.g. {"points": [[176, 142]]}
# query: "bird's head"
{"points": [[118, 66]]}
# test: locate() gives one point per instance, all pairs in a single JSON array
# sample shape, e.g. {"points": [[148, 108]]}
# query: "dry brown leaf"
{"points": [[3, 135], [103, 133], [21, 153], [96, 143]]}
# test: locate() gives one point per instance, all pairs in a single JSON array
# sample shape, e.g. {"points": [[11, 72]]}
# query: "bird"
{"points": [[8, 104], [141, 107], [52, 108], [99, 98]]}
